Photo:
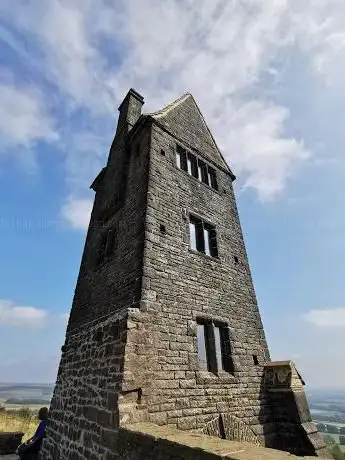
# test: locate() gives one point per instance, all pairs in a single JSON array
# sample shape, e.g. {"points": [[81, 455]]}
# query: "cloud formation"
{"points": [[326, 318], [24, 118], [16, 315], [76, 212], [92, 51]]}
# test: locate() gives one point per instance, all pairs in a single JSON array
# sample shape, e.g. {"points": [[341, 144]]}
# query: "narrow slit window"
{"points": [[194, 163], [178, 159], [192, 234], [203, 172], [208, 176], [218, 349], [227, 361], [181, 158], [202, 353], [199, 171], [200, 240], [189, 164], [207, 241], [213, 242], [212, 178]]}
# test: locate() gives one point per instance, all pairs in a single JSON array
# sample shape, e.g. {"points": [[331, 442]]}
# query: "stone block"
{"points": [[9, 442]]}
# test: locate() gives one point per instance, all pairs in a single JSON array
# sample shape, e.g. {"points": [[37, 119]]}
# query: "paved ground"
{"points": [[8, 457]]}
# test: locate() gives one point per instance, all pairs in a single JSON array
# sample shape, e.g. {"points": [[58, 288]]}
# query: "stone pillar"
{"points": [[296, 432]]}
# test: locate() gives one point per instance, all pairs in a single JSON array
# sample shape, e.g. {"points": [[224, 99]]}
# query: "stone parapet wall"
{"points": [[150, 442], [9, 442]]}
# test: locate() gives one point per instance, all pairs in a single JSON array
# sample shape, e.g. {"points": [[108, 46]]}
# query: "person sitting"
{"points": [[30, 449]]}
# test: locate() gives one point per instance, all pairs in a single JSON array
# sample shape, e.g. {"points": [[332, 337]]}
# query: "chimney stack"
{"points": [[130, 111]]}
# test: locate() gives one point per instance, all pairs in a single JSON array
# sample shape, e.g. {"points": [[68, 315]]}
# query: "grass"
{"points": [[18, 422]]}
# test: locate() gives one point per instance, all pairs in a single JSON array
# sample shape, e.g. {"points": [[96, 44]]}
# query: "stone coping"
{"points": [[9, 441], [219, 448]]}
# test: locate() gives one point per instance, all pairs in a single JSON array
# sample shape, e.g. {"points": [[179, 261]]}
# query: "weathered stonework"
{"points": [[131, 346], [9, 442]]}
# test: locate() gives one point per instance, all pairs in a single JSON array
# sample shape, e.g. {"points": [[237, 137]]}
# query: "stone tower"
{"points": [[165, 325]]}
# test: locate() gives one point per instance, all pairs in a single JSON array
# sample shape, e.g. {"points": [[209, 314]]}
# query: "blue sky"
{"points": [[268, 78]]}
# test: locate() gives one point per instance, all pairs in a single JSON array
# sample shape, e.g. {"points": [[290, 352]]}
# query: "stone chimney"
{"points": [[130, 111]]}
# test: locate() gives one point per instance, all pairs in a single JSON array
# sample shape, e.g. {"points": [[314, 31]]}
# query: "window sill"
{"points": [[206, 377], [214, 259]]}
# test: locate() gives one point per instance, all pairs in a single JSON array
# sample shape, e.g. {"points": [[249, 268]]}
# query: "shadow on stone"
{"points": [[9, 442], [290, 426]]}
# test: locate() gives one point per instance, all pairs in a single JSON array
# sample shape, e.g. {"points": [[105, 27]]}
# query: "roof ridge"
{"points": [[168, 107]]}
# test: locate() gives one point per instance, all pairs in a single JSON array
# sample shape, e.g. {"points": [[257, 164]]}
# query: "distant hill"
{"points": [[22, 392]]}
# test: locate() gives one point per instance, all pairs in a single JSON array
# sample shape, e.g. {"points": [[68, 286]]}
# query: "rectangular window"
{"points": [[203, 236], [178, 159], [181, 158], [207, 240], [189, 164], [214, 350], [212, 241], [203, 172], [196, 167], [218, 349], [199, 170], [192, 235], [202, 353], [227, 362], [212, 178]]}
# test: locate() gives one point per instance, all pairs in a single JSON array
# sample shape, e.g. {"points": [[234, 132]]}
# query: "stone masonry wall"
{"points": [[179, 286], [83, 419], [131, 348], [84, 415], [116, 283]]}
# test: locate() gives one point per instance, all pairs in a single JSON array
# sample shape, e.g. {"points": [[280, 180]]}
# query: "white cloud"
{"points": [[326, 318], [256, 134], [23, 117], [65, 317], [77, 213], [318, 27], [94, 50], [16, 315]]}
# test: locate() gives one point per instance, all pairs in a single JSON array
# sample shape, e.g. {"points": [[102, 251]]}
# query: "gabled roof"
{"points": [[184, 119], [171, 106]]}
